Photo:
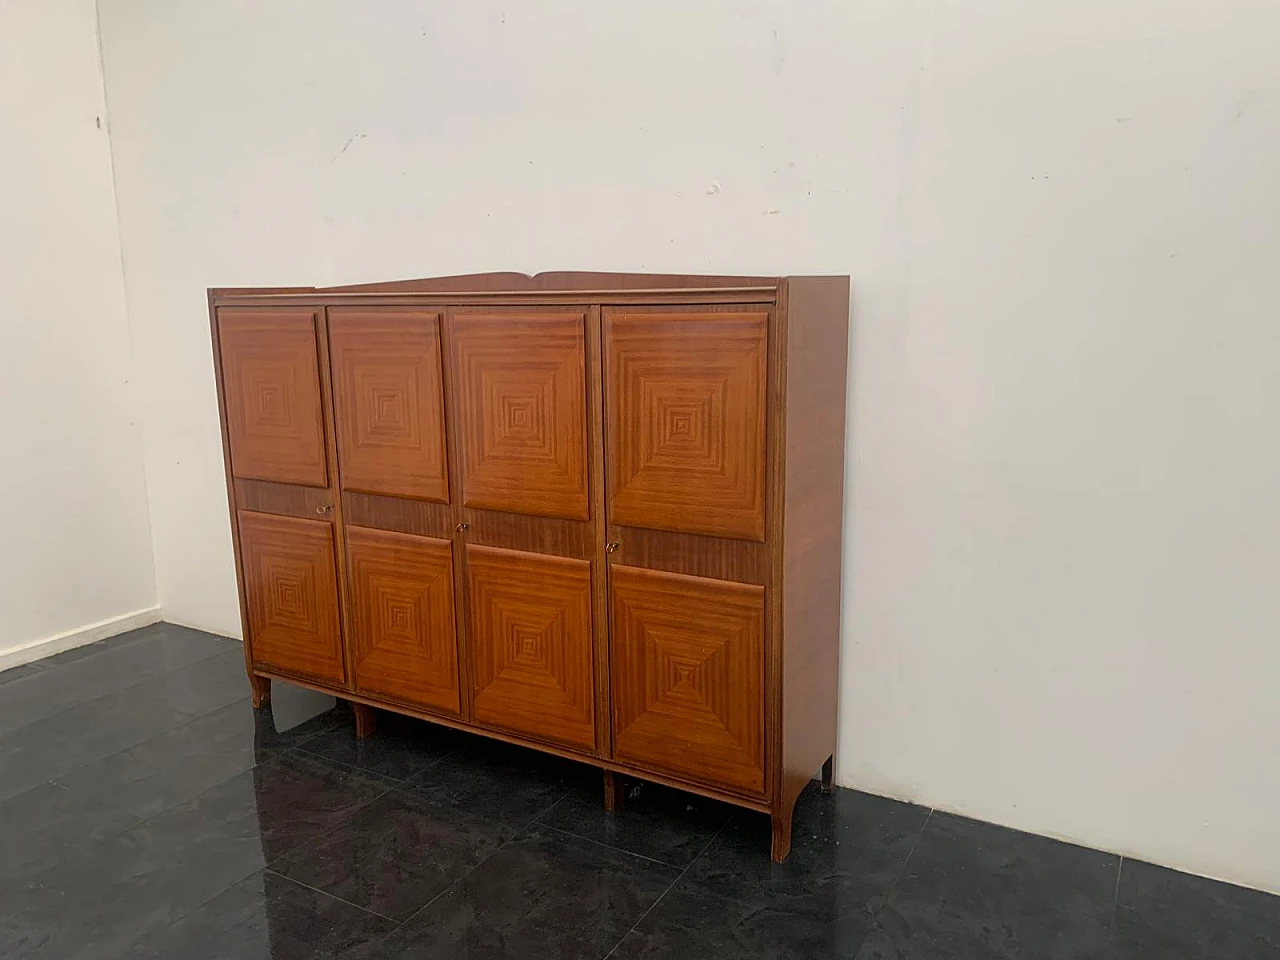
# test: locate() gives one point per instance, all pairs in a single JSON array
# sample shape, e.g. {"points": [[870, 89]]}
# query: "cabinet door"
{"points": [[402, 618], [387, 402], [531, 644], [271, 386], [291, 593], [685, 392], [687, 670], [520, 380]]}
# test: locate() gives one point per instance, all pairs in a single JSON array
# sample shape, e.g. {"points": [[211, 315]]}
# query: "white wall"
{"points": [[77, 545], [1062, 220]]}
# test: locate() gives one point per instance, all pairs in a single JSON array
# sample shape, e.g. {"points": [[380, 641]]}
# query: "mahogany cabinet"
{"points": [[595, 514]]}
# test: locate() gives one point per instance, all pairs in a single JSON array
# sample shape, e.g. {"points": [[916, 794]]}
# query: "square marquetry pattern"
{"points": [[402, 617], [686, 402], [271, 384], [531, 644], [521, 387], [291, 592], [687, 661], [388, 406]]}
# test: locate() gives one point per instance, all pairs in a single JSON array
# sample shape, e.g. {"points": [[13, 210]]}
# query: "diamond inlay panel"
{"points": [[271, 382], [291, 593], [531, 643], [388, 402], [402, 617], [521, 387], [687, 668], [686, 414]]}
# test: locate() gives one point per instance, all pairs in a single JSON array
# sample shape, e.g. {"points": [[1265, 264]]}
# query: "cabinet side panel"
{"points": [[817, 330], [231, 488]]}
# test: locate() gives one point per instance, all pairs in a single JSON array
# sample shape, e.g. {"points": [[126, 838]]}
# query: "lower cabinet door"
{"points": [[687, 669], [291, 591], [531, 643], [402, 625]]}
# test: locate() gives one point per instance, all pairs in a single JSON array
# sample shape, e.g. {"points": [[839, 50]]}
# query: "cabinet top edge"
{"points": [[582, 298], [519, 283]]}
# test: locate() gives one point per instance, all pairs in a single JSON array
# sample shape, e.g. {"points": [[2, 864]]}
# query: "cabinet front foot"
{"points": [[259, 690], [828, 769], [781, 847], [613, 790], [366, 720]]}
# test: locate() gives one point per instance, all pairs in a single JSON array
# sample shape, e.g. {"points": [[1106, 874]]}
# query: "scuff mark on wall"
{"points": [[350, 140]]}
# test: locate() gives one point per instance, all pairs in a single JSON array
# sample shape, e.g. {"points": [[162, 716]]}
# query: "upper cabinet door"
{"points": [[520, 382], [271, 383], [685, 395], [388, 402]]}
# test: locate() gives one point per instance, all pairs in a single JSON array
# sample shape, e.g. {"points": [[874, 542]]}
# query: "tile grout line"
{"points": [[670, 887], [1115, 900], [391, 786], [199, 906], [479, 863], [914, 843], [189, 718], [302, 748], [43, 663], [902, 870], [57, 782], [266, 864], [607, 846], [326, 893], [163, 810], [84, 703]]}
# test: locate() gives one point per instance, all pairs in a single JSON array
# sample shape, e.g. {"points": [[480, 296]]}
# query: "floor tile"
{"points": [[973, 889], [137, 882], [545, 894], [658, 822], [267, 917], [1163, 913], [848, 849], [396, 853], [301, 798], [55, 689], [18, 672], [500, 781], [174, 766], [294, 716], [148, 632], [401, 747], [56, 745], [201, 687], [49, 823]]}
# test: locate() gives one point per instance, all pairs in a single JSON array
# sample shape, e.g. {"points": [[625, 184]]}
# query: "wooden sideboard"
{"points": [[594, 514]]}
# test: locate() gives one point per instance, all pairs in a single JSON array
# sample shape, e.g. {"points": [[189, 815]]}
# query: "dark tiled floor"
{"points": [[146, 811]]}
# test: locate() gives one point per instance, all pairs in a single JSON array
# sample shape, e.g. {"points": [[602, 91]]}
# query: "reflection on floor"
{"points": [[146, 811]]}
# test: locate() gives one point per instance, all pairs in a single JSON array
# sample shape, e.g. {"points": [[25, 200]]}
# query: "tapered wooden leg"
{"points": [[259, 690], [613, 791], [781, 848], [366, 719], [828, 769]]}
